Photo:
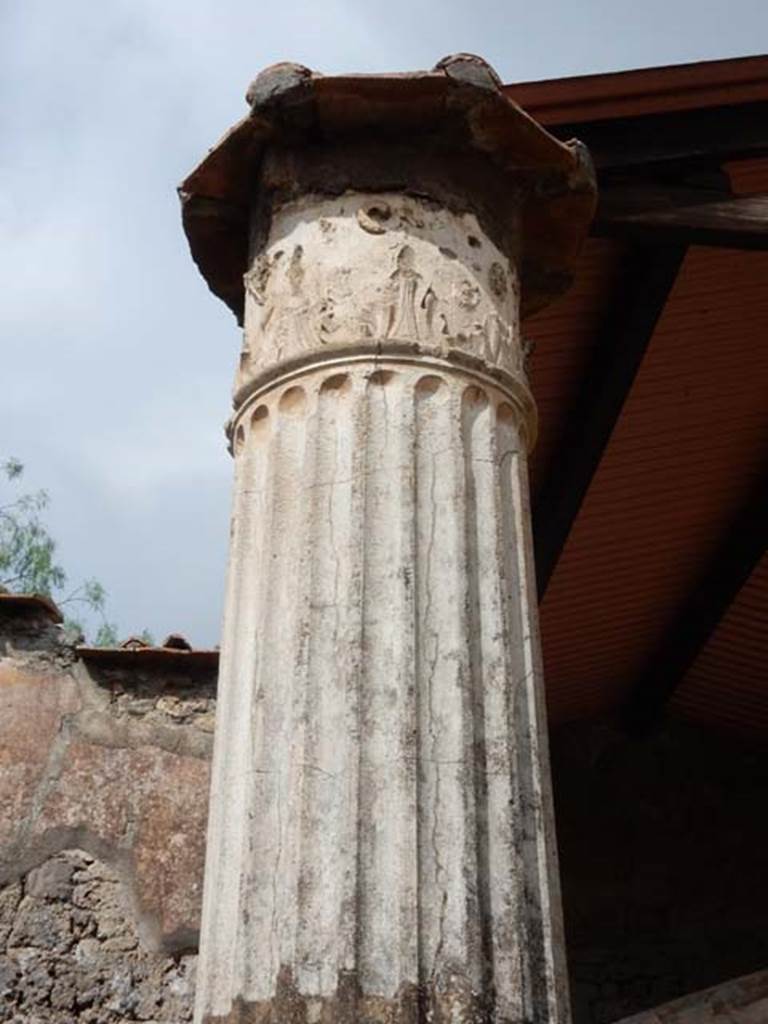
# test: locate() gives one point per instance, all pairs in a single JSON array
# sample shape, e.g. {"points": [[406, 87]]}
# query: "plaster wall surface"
{"points": [[103, 801]]}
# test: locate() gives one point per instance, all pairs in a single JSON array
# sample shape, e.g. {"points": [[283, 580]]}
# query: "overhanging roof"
{"points": [[697, 86], [651, 375]]}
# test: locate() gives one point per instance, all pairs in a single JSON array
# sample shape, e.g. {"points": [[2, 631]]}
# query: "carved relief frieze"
{"points": [[361, 269]]}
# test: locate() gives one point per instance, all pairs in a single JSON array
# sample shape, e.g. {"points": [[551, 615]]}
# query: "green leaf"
{"points": [[95, 594], [106, 635]]}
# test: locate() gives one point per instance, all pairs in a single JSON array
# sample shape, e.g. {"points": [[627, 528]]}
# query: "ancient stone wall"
{"points": [[103, 800], [70, 950], [103, 803]]}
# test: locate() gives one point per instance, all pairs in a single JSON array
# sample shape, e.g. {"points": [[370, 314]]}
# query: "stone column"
{"points": [[381, 844]]}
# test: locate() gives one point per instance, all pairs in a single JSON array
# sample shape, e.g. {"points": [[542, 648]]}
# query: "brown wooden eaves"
{"points": [[443, 109]]}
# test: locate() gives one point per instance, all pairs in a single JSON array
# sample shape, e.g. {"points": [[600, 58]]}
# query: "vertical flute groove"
{"points": [[474, 436], [268, 878]]}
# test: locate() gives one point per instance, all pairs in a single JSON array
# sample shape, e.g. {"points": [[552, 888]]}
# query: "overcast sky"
{"points": [[116, 360]]}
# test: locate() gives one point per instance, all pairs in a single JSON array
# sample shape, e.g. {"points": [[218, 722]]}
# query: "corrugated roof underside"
{"points": [[692, 436], [564, 334], [728, 682]]}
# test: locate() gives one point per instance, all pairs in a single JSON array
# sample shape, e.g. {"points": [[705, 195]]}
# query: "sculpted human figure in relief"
{"points": [[304, 294]]}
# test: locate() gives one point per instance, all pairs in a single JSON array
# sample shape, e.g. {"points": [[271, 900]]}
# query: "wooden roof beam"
{"points": [[743, 545], [689, 137], [677, 215], [629, 322]]}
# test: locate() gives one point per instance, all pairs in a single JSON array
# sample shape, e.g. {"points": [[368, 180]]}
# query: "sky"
{"points": [[117, 362]]}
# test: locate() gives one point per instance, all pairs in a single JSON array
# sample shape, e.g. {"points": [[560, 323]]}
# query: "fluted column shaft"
{"points": [[380, 839]]}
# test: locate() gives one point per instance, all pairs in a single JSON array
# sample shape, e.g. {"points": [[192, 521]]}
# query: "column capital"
{"points": [[450, 134]]}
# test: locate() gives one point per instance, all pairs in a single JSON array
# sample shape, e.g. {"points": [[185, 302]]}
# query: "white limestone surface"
{"points": [[380, 818]]}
